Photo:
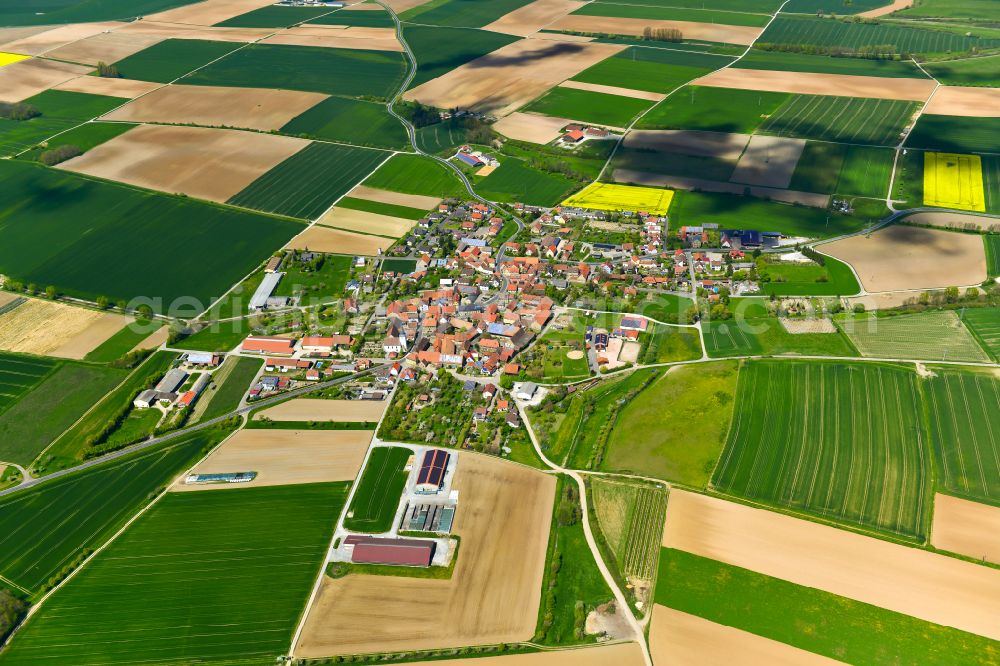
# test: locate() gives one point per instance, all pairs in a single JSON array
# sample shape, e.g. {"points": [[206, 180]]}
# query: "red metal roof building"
{"points": [[399, 552], [269, 345]]}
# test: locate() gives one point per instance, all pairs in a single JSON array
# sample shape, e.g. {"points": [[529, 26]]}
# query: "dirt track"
{"points": [[613, 90], [325, 239], [282, 457], [679, 638], [808, 83], [768, 161], [253, 108], [722, 145], [907, 580], [530, 127], [972, 102], [533, 17], [55, 329], [711, 32], [317, 409], [968, 528], [365, 222], [97, 85], [29, 77], [902, 257], [211, 164], [417, 201], [510, 77], [503, 519]]}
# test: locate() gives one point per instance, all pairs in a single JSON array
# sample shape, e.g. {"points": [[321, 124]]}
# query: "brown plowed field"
{"points": [[531, 127], [808, 83], [683, 183], [510, 77], [365, 222], [211, 164], [253, 108], [27, 78], [711, 32], [317, 409], [185, 31], [768, 161], [47, 40], [901, 257], [325, 239], [12, 35], [956, 221], [283, 457], [98, 85], [209, 12], [533, 17], [888, 9], [385, 196], [966, 527], [106, 47], [613, 90], [55, 329], [676, 637], [503, 519], [932, 587], [373, 39], [973, 102], [689, 142]]}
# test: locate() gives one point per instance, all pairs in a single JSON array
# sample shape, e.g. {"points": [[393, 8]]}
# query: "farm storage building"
{"points": [[430, 478], [269, 345], [400, 552]]}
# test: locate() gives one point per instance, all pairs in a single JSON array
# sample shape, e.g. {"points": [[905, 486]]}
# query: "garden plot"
{"points": [[768, 161], [901, 257], [907, 580], [531, 127], [809, 83], [27, 78], [372, 39], [968, 528], [213, 164], [929, 336], [721, 145], [532, 17], [510, 77], [53, 329], [284, 457], [365, 222], [106, 47], [630, 516], [493, 596], [318, 409], [253, 108], [337, 241], [970, 102], [710, 32], [418, 201], [99, 85]]}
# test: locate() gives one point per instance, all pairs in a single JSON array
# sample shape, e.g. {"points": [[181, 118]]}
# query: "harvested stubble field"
{"points": [[954, 181], [631, 518], [54, 329], [709, 32], [105, 47], [413, 201], [338, 37], [928, 336], [220, 545], [963, 408], [493, 596], [969, 528], [285, 457], [366, 222], [844, 119], [99, 85], [901, 257], [842, 441], [318, 409], [809, 83], [934, 588], [377, 497], [325, 239], [532, 17], [307, 182], [28, 78], [45, 527], [965, 102]]}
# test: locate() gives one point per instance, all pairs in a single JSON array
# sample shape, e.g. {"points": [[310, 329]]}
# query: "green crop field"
{"points": [[275, 16], [765, 335], [928, 336], [382, 208], [630, 516], [123, 341], [44, 528], [763, 6], [362, 18], [376, 498], [440, 50], [652, 70], [226, 397], [985, 325], [714, 110], [461, 13], [866, 171], [841, 440], [967, 72], [349, 72], [991, 186], [515, 180], [589, 106], [666, 308], [963, 408], [992, 246], [658, 13], [415, 174], [956, 134], [834, 278], [172, 58], [349, 120], [87, 136], [192, 558], [201, 250], [846, 119], [837, 34], [60, 111], [308, 182], [973, 9], [443, 137], [673, 164], [839, 7], [800, 62], [653, 434], [15, 12], [19, 374], [855, 633]]}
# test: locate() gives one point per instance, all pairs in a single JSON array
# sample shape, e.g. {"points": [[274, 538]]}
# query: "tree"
{"points": [[107, 71], [50, 292]]}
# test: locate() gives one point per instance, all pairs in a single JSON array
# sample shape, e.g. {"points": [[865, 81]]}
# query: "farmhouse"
{"points": [[268, 345], [398, 552], [430, 478]]}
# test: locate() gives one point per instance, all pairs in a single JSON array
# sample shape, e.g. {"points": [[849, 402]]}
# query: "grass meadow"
{"points": [[834, 278], [713, 110], [955, 134], [630, 516], [800, 62], [590, 107], [306, 184], [214, 576], [516, 180], [927, 336], [348, 72], [349, 120], [765, 335], [200, 249], [171, 59], [376, 499], [60, 111], [985, 325], [44, 529], [837, 627], [843, 119], [439, 50], [843, 441], [443, 138], [652, 70], [415, 174], [963, 408]]}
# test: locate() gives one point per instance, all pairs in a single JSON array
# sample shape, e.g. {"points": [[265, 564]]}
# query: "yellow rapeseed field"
{"points": [[954, 181], [607, 196], [11, 58]]}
